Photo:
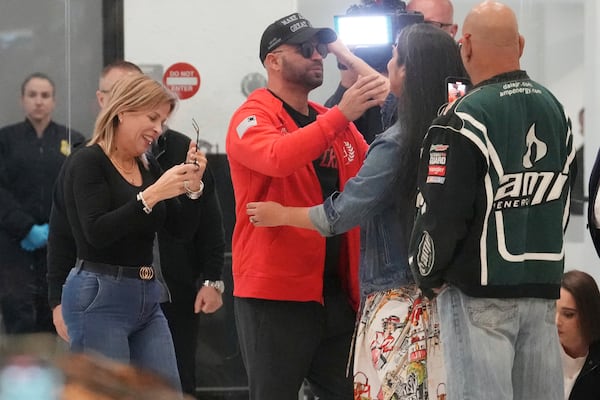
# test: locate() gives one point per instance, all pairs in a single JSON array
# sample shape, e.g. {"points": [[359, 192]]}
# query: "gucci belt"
{"points": [[146, 273]]}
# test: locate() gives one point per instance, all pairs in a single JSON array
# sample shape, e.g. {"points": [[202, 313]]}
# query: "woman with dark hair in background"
{"points": [[381, 199], [578, 323]]}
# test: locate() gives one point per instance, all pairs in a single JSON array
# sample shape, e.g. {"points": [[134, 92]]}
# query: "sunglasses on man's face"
{"points": [[307, 49]]}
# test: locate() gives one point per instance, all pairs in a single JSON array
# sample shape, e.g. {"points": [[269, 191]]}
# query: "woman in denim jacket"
{"points": [[396, 333]]}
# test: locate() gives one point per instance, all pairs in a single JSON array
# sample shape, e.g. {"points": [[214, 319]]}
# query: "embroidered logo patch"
{"points": [[436, 173], [349, 152], [438, 147], [426, 254], [437, 158], [245, 125], [437, 170], [536, 149], [435, 179]]}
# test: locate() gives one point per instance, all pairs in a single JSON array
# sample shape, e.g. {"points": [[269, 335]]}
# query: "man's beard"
{"points": [[301, 75]]}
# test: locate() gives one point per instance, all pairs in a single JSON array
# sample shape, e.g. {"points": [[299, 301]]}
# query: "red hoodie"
{"points": [[271, 160]]}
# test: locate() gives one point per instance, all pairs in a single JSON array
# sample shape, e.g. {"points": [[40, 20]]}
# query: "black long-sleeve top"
{"points": [[184, 262], [108, 222], [587, 383]]}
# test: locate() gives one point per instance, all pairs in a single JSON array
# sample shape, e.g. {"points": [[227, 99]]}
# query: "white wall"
{"points": [[220, 38]]}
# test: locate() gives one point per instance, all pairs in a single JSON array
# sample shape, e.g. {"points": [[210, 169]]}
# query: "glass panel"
{"points": [[61, 39]]}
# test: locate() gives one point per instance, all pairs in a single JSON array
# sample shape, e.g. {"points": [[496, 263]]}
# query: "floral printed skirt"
{"points": [[398, 354]]}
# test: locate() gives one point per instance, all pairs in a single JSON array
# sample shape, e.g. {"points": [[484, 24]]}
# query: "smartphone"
{"points": [[456, 87]]}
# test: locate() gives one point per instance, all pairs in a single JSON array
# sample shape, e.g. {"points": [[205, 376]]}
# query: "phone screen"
{"points": [[456, 87]]}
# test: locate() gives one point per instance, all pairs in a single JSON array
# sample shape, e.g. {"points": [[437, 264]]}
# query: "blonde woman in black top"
{"points": [[116, 200]]}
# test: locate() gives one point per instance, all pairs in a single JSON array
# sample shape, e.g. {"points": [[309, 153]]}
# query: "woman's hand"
{"points": [[267, 213], [173, 181], [195, 156], [59, 323], [368, 91], [270, 213]]}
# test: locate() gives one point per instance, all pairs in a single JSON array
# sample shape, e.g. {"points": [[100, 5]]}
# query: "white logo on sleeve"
{"points": [[349, 153], [426, 254], [245, 125]]}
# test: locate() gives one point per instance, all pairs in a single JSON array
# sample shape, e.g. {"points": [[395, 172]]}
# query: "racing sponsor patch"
{"points": [[426, 254], [436, 172], [245, 125], [436, 179], [438, 147], [437, 158]]}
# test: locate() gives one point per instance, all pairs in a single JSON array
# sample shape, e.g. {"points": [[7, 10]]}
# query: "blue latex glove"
{"points": [[36, 238]]}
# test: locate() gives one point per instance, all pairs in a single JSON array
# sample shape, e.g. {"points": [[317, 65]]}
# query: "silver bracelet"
{"points": [[194, 195], [140, 197]]}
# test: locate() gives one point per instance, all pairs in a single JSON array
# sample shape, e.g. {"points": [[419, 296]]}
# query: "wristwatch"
{"points": [[219, 286]]}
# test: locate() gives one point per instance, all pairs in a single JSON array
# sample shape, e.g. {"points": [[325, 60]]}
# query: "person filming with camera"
{"points": [[439, 13]]}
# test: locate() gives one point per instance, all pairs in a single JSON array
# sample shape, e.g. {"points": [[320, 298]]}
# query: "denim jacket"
{"points": [[375, 200]]}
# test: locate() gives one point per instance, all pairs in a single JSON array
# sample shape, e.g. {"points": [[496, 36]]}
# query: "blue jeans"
{"points": [[119, 318], [500, 349]]}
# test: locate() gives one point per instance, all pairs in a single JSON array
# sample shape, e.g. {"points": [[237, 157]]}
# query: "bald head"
{"points": [[494, 23], [436, 11], [491, 43], [110, 74]]}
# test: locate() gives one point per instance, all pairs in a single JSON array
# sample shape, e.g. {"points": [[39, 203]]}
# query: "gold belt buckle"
{"points": [[146, 273]]}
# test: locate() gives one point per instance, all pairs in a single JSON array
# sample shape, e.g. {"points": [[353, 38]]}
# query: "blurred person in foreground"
{"points": [[493, 201], [78, 376], [577, 312], [296, 293], [381, 198], [89, 377]]}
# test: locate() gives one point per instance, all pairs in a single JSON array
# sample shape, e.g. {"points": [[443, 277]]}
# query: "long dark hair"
{"points": [[429, 55], [584, 290]]}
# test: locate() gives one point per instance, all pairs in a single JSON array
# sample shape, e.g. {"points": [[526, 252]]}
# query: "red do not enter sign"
{"points": [[183, 79]]}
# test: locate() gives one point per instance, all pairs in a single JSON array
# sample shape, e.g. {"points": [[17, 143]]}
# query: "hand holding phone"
{"points": [[456, 87]]}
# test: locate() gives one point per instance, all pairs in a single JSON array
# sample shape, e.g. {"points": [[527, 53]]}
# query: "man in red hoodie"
{"points": [[296, 292]]}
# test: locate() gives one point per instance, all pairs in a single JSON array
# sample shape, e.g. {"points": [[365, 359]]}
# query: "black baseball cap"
{"points": [[292, 29]]}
